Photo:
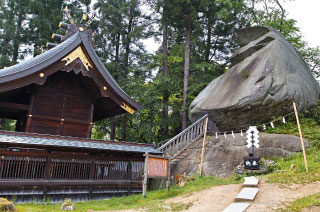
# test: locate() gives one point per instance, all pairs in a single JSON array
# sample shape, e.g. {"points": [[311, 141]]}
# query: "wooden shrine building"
{"points": [[55, 98]]}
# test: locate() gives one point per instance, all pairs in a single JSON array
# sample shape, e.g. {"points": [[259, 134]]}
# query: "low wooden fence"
{"points": [[27, 176]]}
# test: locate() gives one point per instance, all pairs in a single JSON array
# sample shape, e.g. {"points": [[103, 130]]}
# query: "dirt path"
{"points": [[214, 199], [270, 196], [273, 196]]}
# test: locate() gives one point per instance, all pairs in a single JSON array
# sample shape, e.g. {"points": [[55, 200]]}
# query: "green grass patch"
{"points": [[310, 130], [299, 204], [153, 201], [284, 175]]}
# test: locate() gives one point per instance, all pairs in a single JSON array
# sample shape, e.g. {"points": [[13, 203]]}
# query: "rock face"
{"points": [[223, 155], [267, 74]]}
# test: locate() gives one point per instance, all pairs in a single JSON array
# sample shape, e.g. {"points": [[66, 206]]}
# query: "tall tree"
{"points": [[13, 33], [122, 27]]}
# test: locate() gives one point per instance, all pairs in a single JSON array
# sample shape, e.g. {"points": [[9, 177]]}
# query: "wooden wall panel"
{"points": [[61, 107], [43, 126], [76, 110], [75, 129], [46, 105]]}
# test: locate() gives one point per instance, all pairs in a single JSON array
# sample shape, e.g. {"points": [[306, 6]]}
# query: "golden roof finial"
{"points": [[68, 15], [91, 19]]}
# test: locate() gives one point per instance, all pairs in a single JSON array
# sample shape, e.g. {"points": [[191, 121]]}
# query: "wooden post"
{"points": [[145, 176], [203, 144], [301, 139], [168, 178]]}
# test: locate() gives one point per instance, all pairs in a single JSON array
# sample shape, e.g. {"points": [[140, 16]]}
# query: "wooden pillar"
{"points": [[301, 138], [90, 121], [129, 176], [169, 174], [29, 118], [203, 145], [46, 176], [47, 169], [92, 169], [145, 176]]}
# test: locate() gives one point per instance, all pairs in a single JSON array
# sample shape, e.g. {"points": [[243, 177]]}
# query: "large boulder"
{"points": [[223, 155], [266, 76]]}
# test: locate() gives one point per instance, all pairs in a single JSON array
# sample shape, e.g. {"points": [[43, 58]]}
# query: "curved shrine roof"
{"points": [[40, 62]]}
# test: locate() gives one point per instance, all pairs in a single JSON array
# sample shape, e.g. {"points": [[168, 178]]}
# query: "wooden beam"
{"points": [[14, 106]]}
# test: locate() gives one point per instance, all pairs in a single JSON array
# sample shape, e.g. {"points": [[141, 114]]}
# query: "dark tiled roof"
{"points": [[36, 64], [70, 142], [39, 62]]}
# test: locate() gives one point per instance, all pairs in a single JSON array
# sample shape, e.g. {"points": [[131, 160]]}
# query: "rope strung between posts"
{"points": [[262, 126]]}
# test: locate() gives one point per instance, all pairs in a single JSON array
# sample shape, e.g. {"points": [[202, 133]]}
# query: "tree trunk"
{"points": [[124, 127], [16, 41], [186, 72], [208, 42], [112, 120], [126, 65], [165, 68], [113, 128]]}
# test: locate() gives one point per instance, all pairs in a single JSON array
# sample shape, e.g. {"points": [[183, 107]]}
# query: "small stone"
{"points": [[166, 207], [6, 205], [67, 205], [292, 167]]}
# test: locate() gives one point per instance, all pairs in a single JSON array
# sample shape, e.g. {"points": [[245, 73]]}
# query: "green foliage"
{"points": [[153, 201]]}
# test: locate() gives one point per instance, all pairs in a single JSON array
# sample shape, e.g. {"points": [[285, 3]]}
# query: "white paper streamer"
{"points": [[216, 135], [241, 133], [283, 120], [271, 123], [225, 135], [232, 134], [264, 127]]}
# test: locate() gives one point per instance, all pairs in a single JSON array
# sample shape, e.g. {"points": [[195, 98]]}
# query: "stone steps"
{"points": [[250, 182], [237, 207], [245, 197]]}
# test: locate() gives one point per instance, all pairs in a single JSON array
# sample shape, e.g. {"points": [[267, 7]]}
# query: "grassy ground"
{"points": [[153, 201], [282, 174], [305, 202]]}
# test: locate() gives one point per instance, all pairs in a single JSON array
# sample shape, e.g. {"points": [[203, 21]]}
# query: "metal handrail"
{"points": [[183, 132]]}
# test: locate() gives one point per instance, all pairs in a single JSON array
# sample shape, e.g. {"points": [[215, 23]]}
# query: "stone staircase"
{"points": [[245, 197]]}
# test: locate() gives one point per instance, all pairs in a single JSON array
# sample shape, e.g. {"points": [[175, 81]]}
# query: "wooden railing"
{"points": [[32, 176], [183, 140], [53, 168]]}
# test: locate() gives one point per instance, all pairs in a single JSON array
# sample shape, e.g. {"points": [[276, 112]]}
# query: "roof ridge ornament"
{"points": [[78, 53], [72, 28]]}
